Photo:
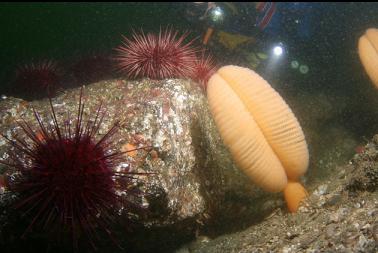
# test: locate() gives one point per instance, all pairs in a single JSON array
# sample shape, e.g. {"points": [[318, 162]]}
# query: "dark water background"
{"points": [[66, 31]]}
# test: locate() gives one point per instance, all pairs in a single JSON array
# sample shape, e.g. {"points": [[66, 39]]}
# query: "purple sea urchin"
{"points": [[65, 178], [37, 80], [165, 55]]}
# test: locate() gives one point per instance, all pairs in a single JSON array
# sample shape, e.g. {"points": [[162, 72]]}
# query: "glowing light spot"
{"points": [[277, 50]]}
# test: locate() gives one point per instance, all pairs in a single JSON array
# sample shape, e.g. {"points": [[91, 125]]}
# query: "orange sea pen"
{"points": [[260, 130], [368, 52]]}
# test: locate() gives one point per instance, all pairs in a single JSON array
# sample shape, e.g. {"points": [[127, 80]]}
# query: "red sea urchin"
{"points": [[37, 80], [204, 68], [165, 55], [65, 178]]}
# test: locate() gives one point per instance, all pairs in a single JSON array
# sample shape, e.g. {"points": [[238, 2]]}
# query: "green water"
{"points": [[66, 31]]}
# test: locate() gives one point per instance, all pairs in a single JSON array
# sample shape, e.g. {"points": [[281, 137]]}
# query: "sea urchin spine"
{"points": [[65, 178]]}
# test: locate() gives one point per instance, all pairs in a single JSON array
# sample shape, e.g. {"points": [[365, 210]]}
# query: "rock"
{"points": [[365, 176], [321, 190]]}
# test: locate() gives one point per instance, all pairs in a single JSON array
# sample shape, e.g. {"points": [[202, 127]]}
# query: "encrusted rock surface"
{"points": [[191, 179]]}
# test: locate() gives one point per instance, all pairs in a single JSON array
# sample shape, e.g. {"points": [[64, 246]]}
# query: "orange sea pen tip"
{"points": [[294, 194]]}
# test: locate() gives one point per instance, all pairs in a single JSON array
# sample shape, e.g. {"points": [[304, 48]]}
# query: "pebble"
{"points": [[330, 230], [203, 239], [362, 243], [356, 225], [288, 249], [321, 190], [339, 215], [321, 201], [357, 205], [375, 139], [372, 212], [335, 199]]}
